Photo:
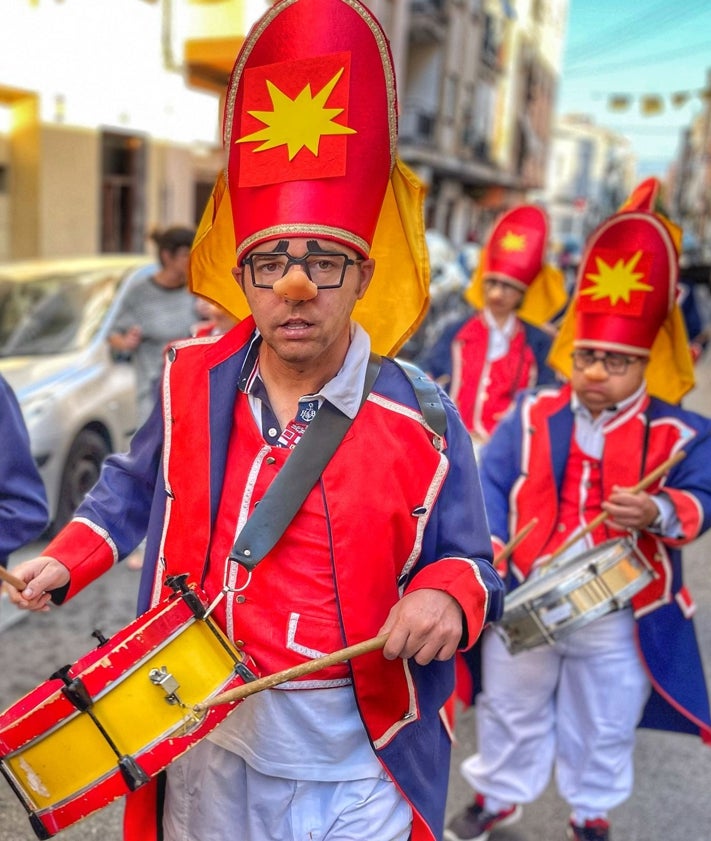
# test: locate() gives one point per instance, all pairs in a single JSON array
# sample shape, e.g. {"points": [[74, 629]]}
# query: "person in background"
{"points": [[447, 305], [157, 310], [697, 326], [23, 501], [215, 320], [568, 262], [487, 357], [568, 461], [357, 751]]}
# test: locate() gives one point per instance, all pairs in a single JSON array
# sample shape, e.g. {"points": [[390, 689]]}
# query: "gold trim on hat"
{"points": [[304, 230]]}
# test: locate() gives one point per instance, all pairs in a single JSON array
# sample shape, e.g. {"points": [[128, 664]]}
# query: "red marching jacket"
{"points": [[484, 391], [433, 534]]}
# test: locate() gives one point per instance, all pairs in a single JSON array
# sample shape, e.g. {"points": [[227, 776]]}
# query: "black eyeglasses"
{"points": [[616, 364], [325, 268], [495, 283]]}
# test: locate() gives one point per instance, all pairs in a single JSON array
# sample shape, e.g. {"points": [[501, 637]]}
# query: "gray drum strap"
{"points": [[299, 474]]}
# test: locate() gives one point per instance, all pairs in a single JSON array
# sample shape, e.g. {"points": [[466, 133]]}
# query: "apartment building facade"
{"points": [[110, 112], [478, 80], [591, 170]]}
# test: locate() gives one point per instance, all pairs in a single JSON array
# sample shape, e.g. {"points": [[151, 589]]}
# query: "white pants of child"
{"points": [[575, 704], [213, 795]]}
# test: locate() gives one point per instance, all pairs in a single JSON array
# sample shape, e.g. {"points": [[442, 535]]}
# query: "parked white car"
{"points": [[78, 400]]}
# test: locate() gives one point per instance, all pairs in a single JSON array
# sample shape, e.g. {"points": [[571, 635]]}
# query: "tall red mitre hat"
{"points": [[627, 283], [310, 125], [516, 246]]}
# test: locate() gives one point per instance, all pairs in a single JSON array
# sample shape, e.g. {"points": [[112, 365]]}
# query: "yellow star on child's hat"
{"points": [[297, 123], [513, 242], [616, 282]]}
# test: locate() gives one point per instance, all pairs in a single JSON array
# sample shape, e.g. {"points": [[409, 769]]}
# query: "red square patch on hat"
{"points": [[294, 122], [615, 282]]}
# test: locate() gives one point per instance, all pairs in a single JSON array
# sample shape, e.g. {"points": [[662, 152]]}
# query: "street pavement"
{"points": [[671, 800]]}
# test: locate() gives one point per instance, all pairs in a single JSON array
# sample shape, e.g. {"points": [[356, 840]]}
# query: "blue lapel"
{"points": [[560, 434]]}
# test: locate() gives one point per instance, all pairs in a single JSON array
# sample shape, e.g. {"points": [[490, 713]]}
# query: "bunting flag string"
{"points": [[652, 104]]}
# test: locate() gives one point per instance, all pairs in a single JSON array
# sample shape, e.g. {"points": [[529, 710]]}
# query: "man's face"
{"points": [[596, 386], [303, 328], [501, 298]]}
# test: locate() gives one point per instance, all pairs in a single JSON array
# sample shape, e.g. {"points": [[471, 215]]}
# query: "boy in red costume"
{"points": [[569, 460], [490, 356], [391, 538]]}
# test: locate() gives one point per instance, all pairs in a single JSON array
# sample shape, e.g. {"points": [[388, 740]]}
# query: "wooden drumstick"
{"points": [[515, 540], [643, 483], [240, 692], [17, 583]]}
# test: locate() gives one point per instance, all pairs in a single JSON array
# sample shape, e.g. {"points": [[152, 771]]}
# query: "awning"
{"points": [[209, 61]]}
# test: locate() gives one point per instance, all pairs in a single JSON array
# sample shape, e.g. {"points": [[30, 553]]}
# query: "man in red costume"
{"points": [[568, 461], [392, 537], [488, 357]]}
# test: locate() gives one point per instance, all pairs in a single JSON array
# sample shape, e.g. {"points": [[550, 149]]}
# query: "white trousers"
{"points": [[213, 795], [574, 705]]}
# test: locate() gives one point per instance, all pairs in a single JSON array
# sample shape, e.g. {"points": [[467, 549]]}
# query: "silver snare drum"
{"points": [[571, 594]]}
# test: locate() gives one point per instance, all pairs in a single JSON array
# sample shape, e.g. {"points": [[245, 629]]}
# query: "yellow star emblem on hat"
{"points": [[513, 242], [616, 282], [299, 122]]}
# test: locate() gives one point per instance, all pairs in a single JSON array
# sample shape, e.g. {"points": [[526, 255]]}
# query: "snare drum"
{"points": [[570, 594], [104, 726]]}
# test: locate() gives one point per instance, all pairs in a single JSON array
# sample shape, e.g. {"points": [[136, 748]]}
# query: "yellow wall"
{"points": [[24, 142], [69, 208]]}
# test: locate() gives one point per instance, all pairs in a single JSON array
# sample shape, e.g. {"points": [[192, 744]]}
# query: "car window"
{"points": [[53, 313]]}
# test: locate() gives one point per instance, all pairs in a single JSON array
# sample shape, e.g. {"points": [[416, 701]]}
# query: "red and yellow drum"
{"points": [[104, 726]]}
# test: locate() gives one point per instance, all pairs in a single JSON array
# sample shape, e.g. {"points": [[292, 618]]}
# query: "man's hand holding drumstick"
{"points": [[32, 581]]}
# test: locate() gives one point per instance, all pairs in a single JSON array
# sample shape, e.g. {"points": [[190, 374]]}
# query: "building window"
{"points": [[123, 175]]}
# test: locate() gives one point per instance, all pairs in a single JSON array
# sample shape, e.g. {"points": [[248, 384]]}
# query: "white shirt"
{"points": [[499, 337]]}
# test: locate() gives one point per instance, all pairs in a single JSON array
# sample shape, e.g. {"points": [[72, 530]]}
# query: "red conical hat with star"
{"points": [[310, 125], [516, 246], [515, 252], [626, 284]]}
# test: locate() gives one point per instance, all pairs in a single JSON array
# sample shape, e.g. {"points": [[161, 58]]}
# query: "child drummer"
{"points": [[563, 457]]}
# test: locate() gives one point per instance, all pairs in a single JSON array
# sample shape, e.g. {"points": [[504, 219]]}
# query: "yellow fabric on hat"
{"points": [[212, 257], [670, 373], [398, 297], [399, 294]]}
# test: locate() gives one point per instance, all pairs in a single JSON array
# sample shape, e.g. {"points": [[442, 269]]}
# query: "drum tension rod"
{"points": [[39, 829], [75, 690], [100, 638], [179, 585]]}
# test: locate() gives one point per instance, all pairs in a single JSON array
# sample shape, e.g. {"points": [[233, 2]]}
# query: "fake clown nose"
{"points": [[296, 286]]}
